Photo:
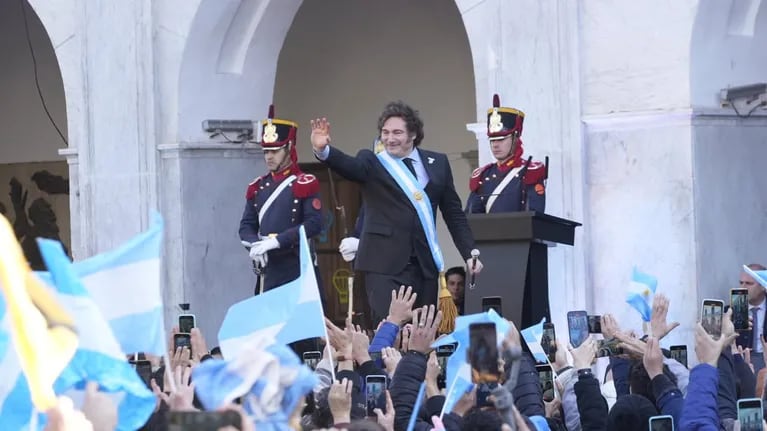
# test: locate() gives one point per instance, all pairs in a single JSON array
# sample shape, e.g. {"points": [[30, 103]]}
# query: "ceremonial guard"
{"points": [[277, 204], [510, 183]]}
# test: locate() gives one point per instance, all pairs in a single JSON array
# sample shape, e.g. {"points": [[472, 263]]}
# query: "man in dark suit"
{"points": [[757, 304], [402, 187]]}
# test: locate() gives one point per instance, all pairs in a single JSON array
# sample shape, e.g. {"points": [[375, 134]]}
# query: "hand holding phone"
{"points": [[595, 324], [443, 354], [311, 359], [578, 326], [483, 353], [750, 414], [375, 394], [661, 423], [549, 342], [711, 317], [739, 304], [186, 322], [182, 340], [679, 354]]}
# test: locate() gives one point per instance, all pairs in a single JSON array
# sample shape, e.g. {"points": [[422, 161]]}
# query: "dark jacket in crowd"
{"points": [[700, 412], [592, 407]]}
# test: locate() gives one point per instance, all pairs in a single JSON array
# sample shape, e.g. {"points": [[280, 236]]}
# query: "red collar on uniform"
{"points": [[290, 170], [510, 163]]}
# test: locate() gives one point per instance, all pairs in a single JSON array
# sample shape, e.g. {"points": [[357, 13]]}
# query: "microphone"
{"points": [[474, 256]]}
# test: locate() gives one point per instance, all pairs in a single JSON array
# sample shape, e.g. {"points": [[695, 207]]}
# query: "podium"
{"points": [[514, 249]]}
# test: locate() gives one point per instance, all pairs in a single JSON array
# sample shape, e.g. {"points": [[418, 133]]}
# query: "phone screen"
{"points": [[609, 347], [492, 303], [739, 303], [443, 354], [182, 340], [750, 414], [595, 324], [679, 354], [578, 326], [311, 359], [484, 390], [483, 353], [711, 317], [545, 377], [203, 421], [549, 341], [185, 323], [661, 423], [375, 394]]}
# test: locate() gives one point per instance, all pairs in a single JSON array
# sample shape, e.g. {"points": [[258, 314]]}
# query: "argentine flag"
{"points": [[125, 286], [458, 380], [533, 336], [288, 313], [269, 377], [759, 276], [641, 293], [98, 357]]}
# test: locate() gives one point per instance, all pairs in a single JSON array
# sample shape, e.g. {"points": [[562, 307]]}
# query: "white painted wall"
{"points": [[322, 71], [27, 133]]}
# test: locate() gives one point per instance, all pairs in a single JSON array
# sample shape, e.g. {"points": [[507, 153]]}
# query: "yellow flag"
{"points": [[43, 333]]}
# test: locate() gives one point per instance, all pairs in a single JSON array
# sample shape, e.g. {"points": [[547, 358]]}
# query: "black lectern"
{"points": [[514, 249]]}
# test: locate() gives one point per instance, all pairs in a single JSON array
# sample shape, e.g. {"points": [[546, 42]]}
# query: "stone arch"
{"points": [[726, 48]]}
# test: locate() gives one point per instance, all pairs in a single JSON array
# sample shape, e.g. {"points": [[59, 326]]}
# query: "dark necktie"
{"points": [[409, 163], [755, 341]]}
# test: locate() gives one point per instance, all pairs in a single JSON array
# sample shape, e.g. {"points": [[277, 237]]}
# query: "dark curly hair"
{"points": [[412, 120]]}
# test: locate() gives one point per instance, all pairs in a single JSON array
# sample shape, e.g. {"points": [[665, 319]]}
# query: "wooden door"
{"points": [[333, 270]]}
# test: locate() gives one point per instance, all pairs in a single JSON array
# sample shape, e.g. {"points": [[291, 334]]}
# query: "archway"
{"points": [[33, 177]]}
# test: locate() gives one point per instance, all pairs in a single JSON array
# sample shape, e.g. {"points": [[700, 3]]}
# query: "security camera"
{"points": [[744, 93]]}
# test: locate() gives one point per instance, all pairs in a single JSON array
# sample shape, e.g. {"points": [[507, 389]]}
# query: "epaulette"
{"points": [[252, 188], [476, 177], [305, 185], [536, 173]]}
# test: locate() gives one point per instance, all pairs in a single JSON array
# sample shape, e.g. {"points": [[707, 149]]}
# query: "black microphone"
{"points": [[474, 256]]}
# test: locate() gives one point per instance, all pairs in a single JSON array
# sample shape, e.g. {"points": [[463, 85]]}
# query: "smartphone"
{"points": [[443, 353], [483, 353], [182, 340], [492, 302], [203, 421], [711, 317], [606, 348], [375, 357], [595, 324], [549, 341], [484, 390], [750, 414], [679, 354], [144, 370], [739, 304], [375, 394], [186, 322], [311, 359], [578, 327], [661, 423], [545, 377]]}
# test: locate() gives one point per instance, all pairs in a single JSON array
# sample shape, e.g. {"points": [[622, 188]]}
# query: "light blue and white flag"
{"points": [[287, 313], [98, 357], [758, 276], [641, 293], [125, 285], [458, 379], [269, 377], [533, 336]]}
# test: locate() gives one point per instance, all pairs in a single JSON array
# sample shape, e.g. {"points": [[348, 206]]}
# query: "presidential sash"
{"points": [[420, 200]]}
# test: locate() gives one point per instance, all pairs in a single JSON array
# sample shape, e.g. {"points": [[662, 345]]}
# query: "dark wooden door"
{"points": [[333, 270]]}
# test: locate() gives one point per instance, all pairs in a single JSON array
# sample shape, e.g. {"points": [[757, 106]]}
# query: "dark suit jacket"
{"points": [[391, 231]]}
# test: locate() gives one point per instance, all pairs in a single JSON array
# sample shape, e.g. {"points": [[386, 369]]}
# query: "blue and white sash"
{"points": [[420, 200]]}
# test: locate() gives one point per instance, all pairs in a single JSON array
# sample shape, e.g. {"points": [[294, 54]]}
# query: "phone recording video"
{"points": [[739, 304], [144, 370], [711, 317], [483, 353], [549, 341], [679, 354], [578, 327], [443, 354], [545, 377], [185, 323], [750, 414], [311, 359], [182, 340], [595, 324], [375, 394], [203, 421], [492, 303], [661, 423]]}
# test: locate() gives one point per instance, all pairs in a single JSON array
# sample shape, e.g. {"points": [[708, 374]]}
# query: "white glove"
{"points": [[261, 247], [260, 259], [348, 248]]}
